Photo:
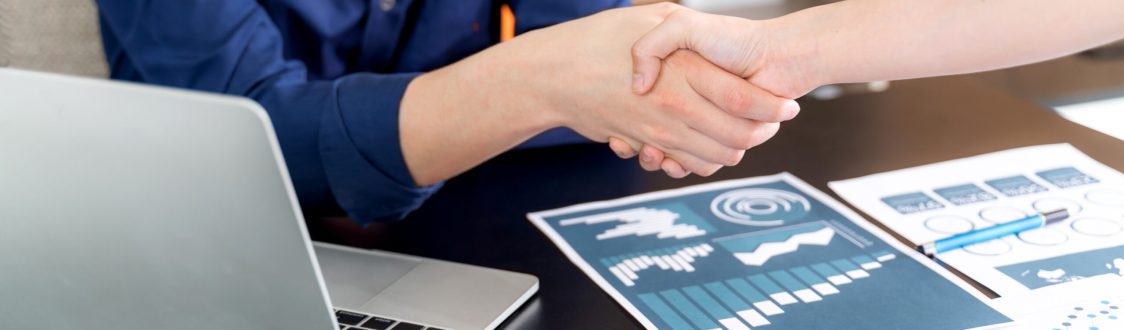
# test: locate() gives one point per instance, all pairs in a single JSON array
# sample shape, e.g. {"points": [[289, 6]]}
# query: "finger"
{"points": [[651, 158], [693, 164], [621, 148], [735, 95], [703, 116], [697, 144], [673, 169], [654, 46]]}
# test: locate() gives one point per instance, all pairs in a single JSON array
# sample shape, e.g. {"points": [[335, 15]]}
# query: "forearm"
{"points": [[867, 40], [457, 117]]}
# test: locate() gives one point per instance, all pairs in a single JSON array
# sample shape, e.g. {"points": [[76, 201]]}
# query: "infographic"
{"points": [[764, 252]]}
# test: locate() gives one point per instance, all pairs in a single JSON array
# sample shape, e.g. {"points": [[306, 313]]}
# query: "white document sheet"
{"points": [[931, 202], [1093, 303]]}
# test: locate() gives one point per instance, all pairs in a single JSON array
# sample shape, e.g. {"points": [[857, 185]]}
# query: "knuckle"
{"points": [[739, 102]]}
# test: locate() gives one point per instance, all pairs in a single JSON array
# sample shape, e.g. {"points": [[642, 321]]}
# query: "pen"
{"points": [[993, 232]]}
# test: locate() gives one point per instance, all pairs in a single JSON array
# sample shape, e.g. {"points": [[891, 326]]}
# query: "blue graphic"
{"points": [[760, 207], [912, 203], [1102, 314], [757, 248], [663, 222], [964, 194], [1067, 268], [1016, 186], [1066, 177], [788, 262]]}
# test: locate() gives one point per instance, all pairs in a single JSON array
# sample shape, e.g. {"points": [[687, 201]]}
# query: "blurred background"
{"points": [[62, 36]]}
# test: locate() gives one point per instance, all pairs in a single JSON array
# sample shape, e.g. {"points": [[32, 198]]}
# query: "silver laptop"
{"points": [[125, 206]]}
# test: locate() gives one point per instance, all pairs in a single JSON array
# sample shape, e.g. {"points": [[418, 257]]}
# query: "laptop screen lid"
{"points": [[132, 207]]}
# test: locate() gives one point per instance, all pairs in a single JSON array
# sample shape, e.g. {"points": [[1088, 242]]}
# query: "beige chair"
{"points": [[60, 36]]}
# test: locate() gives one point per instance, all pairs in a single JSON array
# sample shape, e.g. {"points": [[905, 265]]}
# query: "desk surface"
{"points": [[479, 217]]}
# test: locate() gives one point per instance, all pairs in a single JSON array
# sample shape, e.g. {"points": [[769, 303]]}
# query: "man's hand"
{"points": [[576, 74], [700, 115]]}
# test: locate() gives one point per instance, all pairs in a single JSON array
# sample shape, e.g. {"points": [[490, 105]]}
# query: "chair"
{"points": [[60, 36]]}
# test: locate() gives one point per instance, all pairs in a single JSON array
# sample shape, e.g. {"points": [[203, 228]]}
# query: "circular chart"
{"points": [[1096, 226], [949, 224], [1106, 197], [1001, 214], [1055, 203], [760, 206], [989, 248], [1043, 237]]}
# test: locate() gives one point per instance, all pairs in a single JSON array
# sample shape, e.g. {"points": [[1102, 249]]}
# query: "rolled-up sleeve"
{"points": [[339, 137]]}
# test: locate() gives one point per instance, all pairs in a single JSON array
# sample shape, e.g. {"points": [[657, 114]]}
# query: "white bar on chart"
{"points": [[701, 251], [685, 256], [825, 289], [733, 324], [647, 260], [871, 265], [624, 279], [885, 258], [807, 296], [686, 265], [671, 261], [857, 274], [783, 298], [708, 247], [631, 265], [629, 273], [768, 307], [839, 279], [753, 318], [659, 262], [690, 252]]}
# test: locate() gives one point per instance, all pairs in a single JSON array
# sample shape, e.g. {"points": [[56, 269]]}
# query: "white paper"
{"points": [[1086, 244], [1094, 303]]}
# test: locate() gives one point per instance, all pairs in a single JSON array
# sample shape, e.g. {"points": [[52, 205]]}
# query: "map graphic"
{"points": [[759, 207], [1067, 268], [643, 221], [756, 248]]}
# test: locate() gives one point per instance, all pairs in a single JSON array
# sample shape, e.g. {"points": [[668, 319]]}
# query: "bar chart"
{"points": [[750, 301], [626, 268]]}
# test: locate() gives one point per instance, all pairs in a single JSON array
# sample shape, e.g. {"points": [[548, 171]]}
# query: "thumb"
{"points": [[647, 53]]}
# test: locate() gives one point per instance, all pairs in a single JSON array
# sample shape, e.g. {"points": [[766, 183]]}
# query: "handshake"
{"points": [[697, 100]]}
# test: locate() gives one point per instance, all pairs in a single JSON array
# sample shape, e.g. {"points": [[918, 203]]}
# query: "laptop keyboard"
{"points": [[350, 320]]}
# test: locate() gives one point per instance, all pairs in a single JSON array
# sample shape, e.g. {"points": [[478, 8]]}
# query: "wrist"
{"points": [[795, 54], [514, 82]]}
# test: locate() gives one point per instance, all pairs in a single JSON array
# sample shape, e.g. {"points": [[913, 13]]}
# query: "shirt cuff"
{"points": [[361, 151]]}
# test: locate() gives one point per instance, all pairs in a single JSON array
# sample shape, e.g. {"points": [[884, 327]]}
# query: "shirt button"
{"points": [[386, 5]]}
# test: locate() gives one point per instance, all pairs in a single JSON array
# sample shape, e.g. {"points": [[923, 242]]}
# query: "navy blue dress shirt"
{"points": [[331, 74]]}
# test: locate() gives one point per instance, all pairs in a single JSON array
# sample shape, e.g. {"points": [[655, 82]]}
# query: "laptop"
{"points": [[125, 206]]}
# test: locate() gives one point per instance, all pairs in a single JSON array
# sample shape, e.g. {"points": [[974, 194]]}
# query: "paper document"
{"points": [[1094, 303], [931, 202], [768, 252]]}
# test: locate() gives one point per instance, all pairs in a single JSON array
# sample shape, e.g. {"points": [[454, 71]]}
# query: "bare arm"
{"points": [[575, 75], [866, 40]]}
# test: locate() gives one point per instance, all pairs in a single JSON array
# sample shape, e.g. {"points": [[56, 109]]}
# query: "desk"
{"points": [[478, 218]]}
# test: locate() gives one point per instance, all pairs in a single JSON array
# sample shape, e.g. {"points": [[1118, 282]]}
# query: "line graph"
{"points": [[757, 248]]}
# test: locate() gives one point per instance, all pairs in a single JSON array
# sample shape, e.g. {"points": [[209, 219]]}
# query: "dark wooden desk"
{"points": [[478, 218]]}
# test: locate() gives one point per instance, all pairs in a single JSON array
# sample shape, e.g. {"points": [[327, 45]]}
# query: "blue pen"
{"points": [[993, 232]]}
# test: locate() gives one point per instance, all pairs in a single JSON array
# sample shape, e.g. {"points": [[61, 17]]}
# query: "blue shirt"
{"points": [[331, 74]]}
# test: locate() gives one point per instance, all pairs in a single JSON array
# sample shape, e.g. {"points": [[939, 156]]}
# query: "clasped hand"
{"points": [[684, 115]]}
